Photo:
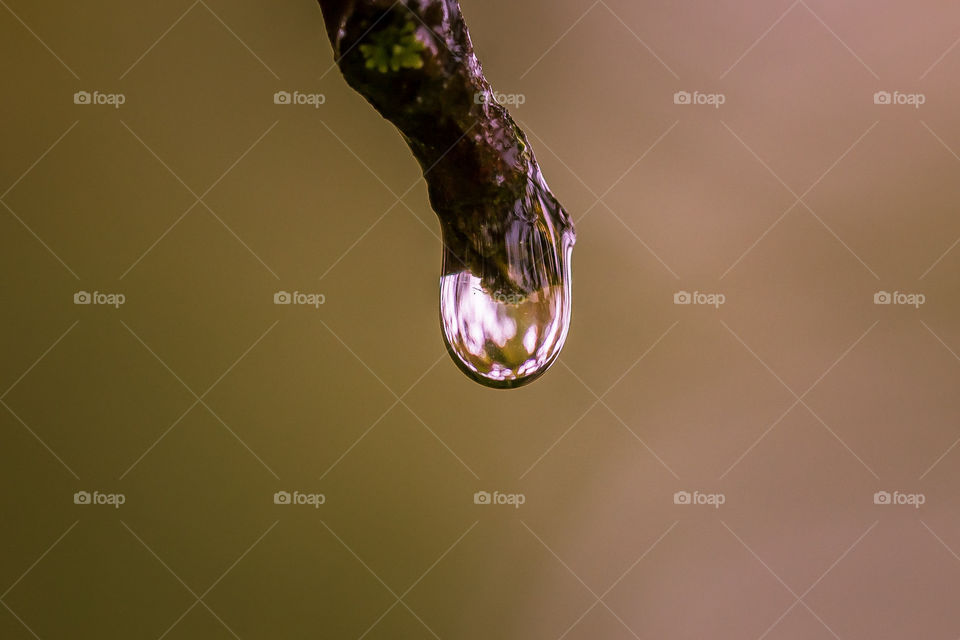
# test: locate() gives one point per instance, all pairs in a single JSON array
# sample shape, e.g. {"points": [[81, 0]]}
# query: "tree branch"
{"points": [[414, 62]]}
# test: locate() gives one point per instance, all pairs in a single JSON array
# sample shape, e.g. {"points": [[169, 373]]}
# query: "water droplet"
{"points": [[505, 296]]}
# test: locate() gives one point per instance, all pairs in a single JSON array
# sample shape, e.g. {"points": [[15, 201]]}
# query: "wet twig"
{"points": [[414, 62]]}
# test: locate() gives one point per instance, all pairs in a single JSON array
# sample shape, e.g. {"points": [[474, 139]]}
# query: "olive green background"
{"points": [[199, 198]]}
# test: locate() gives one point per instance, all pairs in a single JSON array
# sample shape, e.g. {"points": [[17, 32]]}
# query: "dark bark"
{"points": [[483, 180]]}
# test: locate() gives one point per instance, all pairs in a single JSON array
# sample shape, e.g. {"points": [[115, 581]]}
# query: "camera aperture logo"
{"points": [[914, 500], [714, 100], [914, 100], [297, 298], [111, 499], [899, 298], [115, 100], [485, 497], [299, 498], [114, 300], [699, 298], [714, 500], [503, 99], [315, 100]]}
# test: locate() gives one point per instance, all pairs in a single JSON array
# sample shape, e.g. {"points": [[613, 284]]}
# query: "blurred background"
{"points": [[776, 459]]}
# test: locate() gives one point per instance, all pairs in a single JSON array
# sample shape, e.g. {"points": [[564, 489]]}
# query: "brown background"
{"points": [[798, 399]]}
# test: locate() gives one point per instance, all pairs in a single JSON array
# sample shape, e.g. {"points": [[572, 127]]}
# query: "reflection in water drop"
{"points": [[505, 338]]}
